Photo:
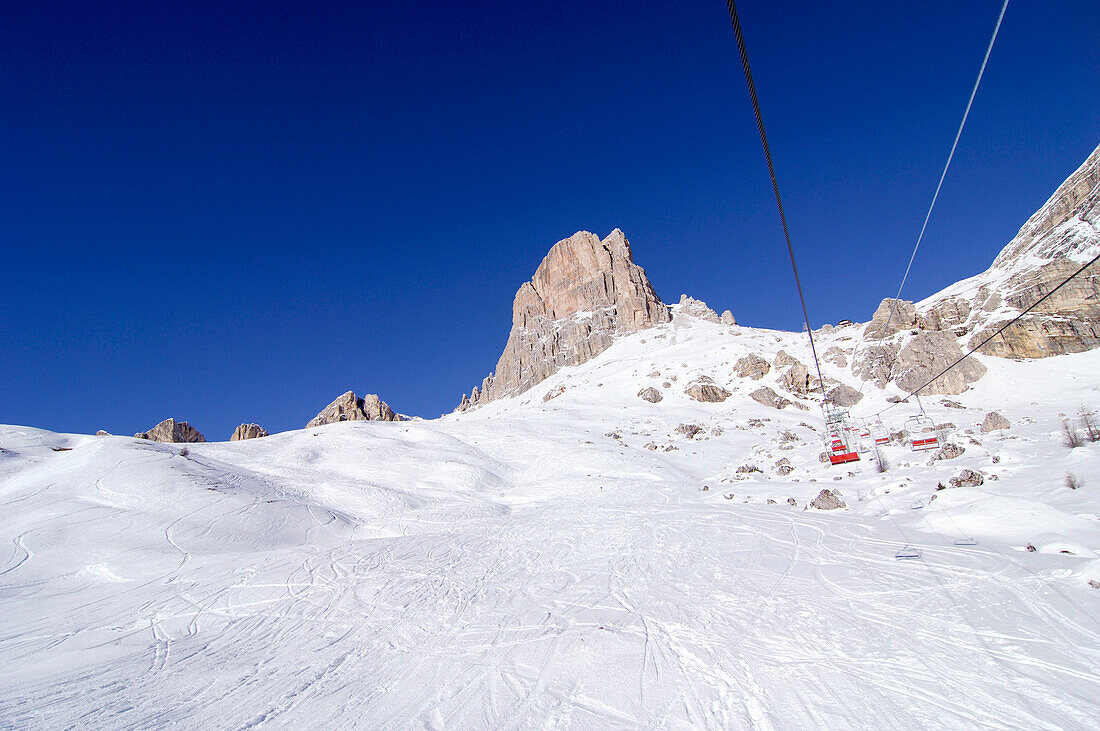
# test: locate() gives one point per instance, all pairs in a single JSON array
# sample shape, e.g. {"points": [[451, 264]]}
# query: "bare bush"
{"points": [[880, 460], [1070, 436], [1089, 425], [1073, 481]]}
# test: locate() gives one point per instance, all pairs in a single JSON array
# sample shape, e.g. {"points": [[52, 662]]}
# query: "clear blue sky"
{"points": [[232, 211]]}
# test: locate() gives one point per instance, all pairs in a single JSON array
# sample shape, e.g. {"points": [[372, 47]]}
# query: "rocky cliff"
{"points": [[921, 339], [1054, 243], [582, 294], [171, 430], [350, 407]]}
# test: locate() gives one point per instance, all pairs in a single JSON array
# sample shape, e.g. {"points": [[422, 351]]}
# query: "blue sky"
{"points": [[228, 212]]}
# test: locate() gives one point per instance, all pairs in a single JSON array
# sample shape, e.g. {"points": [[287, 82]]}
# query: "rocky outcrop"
{"points": [[707, 392], [248, 431], [752, 366], [697, 308], [767, 397], [843, 395], [171, 430], [928, 353], [1053, 244], [875, 362], [837, 356], [994, 422], [883, 324], [651, 395], [783, 358], [827, 500], [584, 293], [967, 478], [728, 318], [350, 407]]}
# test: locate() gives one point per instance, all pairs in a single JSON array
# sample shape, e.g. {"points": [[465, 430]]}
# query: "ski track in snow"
{"points": [[514, 567]]}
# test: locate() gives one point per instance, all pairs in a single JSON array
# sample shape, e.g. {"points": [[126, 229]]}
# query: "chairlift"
{"points": [[965, 542], [838, 437], [922, 433], [878, 431], [907, 553]]}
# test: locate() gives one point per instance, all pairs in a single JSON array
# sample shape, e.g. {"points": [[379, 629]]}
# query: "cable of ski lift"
{"points": [[836, 437], [939, 185]]}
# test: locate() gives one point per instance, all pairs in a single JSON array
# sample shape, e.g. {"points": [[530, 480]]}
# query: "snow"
{"points": [[534, 564]]}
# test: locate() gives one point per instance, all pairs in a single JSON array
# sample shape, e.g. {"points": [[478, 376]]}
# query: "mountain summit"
{"points": [[582, 294]]}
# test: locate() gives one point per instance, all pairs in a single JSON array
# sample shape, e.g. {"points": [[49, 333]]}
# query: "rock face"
{"points": [[349, 407], [248, 431], [651, 395], [843, 395], [707, 392], [752, 366], [728, 318], [767, 397], [967, 478], [1055, 242], [994, 422], [827, 500], [583, 293], [171, 430], [928, 353], [697, 308]]}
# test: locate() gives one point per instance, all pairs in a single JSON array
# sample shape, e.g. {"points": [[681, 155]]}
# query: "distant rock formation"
{"points": [[651, 395], [728, 319], [248, 431], [928, 353], [350, 407], [171, 430], [697, 308], [704, 390], [583, 293], [752, 366], [994, 422]]}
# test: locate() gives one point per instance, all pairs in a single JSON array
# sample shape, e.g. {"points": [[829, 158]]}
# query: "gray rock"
{"points": [[994, 422], [836, 356], [728, 319], [689, 430], [843, 395], [584, 293], [172, 431], [651, 395], [696, 308], [827, 500], [967, 478], [349, 407], [248, 431], [949, 451], [928, 353], [102, 433], [752, 366], [706, 392], [768, 397], [783, 358]]}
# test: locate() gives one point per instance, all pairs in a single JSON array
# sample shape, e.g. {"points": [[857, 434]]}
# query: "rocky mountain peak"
{"points": [[584, 292], [349, 407], [171, 430]]}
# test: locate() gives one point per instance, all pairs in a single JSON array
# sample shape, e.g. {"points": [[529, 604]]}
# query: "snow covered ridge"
{"points": [[591, 560]]}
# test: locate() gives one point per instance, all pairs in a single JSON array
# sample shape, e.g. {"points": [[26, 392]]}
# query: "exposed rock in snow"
{"points": [[583, 293], [752, 366], [171, 430], [928, 353], [843, 395], [827, 500], [349, 407], [650, 394], [102, 433], [994, 422], [783, 358], [703, 390], [248, 431], [904, 318], [1054, 243], [728, 319], [697, 308], [874, 362], [836, 356], [967, 478], [768, 397]]}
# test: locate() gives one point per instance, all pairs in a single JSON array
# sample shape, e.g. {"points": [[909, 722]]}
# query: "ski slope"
{"points": [[533, 564]]}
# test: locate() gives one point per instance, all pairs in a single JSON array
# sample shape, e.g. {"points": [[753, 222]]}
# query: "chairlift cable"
{"points": [[775, 184], [943, 175]]}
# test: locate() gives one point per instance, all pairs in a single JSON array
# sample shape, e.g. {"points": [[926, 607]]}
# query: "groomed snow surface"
{"points": [[532, 564]]}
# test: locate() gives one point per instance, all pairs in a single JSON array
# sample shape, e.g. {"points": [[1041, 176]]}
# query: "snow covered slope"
{"points": [[576, 562]]}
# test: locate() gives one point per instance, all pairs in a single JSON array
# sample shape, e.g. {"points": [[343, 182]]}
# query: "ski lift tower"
{"points": [[838, 436]]}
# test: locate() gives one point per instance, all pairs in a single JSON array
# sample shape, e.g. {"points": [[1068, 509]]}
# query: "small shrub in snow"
{"points": [[881, 465], [1089, 425], [1073, 481], [184, 451], [1070, 436]]}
